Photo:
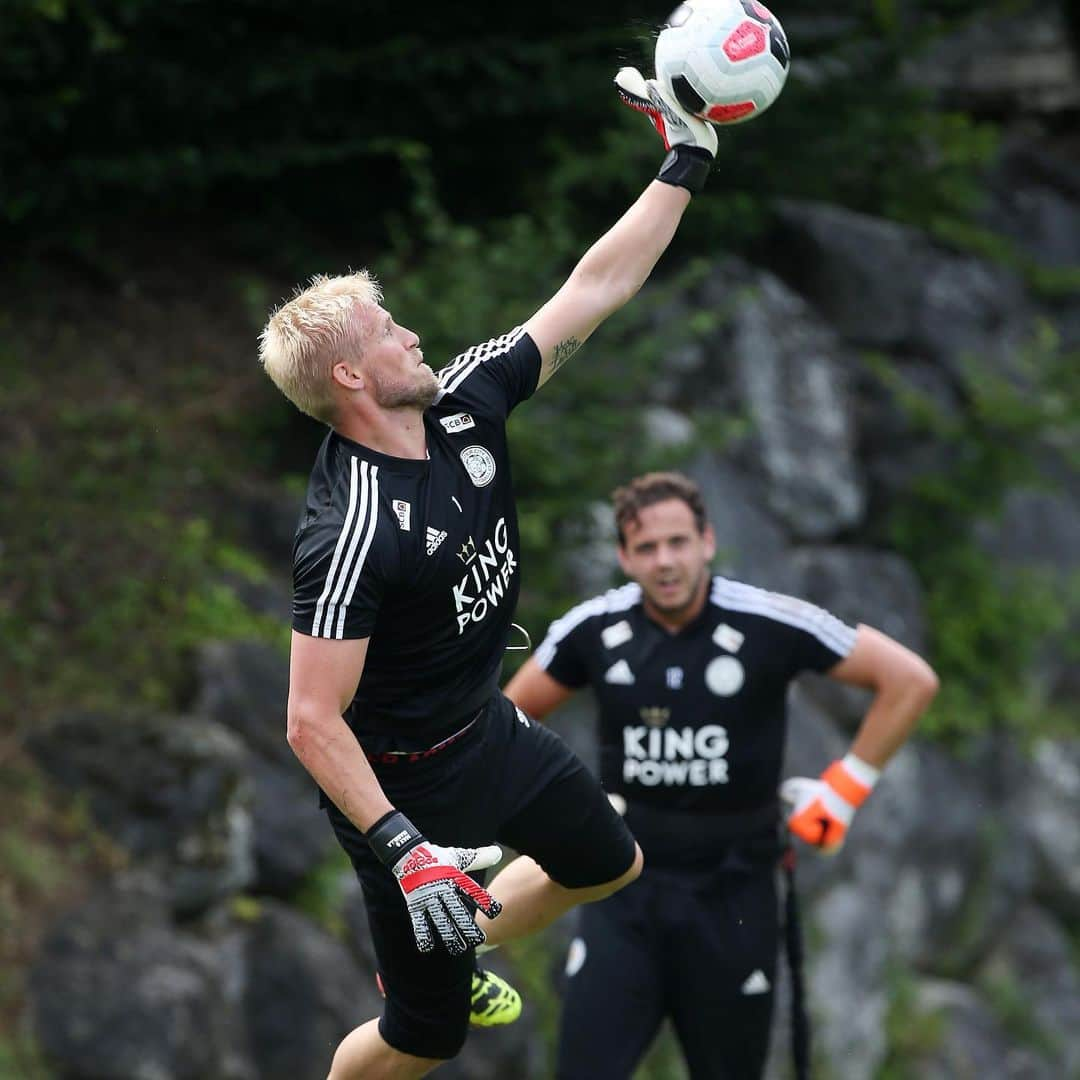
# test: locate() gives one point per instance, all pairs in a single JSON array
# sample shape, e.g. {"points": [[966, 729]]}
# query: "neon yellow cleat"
{"points": [[494, 1000]]}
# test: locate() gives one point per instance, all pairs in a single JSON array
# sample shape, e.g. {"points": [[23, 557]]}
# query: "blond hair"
{"points": [[306, 336]]}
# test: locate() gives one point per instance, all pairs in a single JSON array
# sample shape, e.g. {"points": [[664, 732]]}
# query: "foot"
{"points": [[494, 1001]]}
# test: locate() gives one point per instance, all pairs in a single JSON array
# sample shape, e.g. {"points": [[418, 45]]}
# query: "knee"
{"points": [[385, 1063]]}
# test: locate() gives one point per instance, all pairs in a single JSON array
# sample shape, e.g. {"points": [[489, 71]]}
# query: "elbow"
{"points": [[928, 681], [923, 684], [302, 729], [626, 292], [623, 292]]}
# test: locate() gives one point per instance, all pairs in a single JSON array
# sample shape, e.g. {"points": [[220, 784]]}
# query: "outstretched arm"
{"points": [[619, 263], [607, 276]]}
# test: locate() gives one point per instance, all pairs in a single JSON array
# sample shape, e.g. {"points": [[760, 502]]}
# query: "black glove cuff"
{"points": [[392, 836], [686, 166]]}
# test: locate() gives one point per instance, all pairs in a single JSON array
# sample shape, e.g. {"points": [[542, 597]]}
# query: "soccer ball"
{"points": [[725, 61]]}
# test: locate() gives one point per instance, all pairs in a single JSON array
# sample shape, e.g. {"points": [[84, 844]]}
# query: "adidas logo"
{"points": [[434, 538], [756, 983], [619, 674]]}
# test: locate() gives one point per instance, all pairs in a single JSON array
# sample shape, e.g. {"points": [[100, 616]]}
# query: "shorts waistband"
{"points": [[405, 757], [680, 836]]}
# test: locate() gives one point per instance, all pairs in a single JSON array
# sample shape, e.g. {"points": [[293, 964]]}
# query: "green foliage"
{"points": [[986, 627], [1047, 282], [122, 109], [20, 1059], [321, 896], [911, 1033], [112, 570], [664, 1061], [48, 847], [1011, 1003]]}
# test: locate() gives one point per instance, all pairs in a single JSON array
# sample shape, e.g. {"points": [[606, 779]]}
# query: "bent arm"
{"points": [[903, 684], [535, 691], [323, 676], [607, 276]]}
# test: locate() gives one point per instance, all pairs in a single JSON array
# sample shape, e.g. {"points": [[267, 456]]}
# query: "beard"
{"points": [[675, 608], [416, 393]]}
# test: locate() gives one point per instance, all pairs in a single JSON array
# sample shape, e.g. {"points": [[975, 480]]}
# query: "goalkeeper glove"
{"points": [[822, 809], [437, 891], [691, 143]]}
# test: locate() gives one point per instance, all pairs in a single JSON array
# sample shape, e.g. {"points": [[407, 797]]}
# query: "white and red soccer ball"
{"points": [[725, 61]]}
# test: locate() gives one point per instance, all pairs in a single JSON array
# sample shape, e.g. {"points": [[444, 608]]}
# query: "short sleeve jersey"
{"points": [[694, 720], [421, 556]]}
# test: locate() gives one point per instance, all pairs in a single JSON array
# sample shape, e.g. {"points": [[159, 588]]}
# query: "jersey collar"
{"points": [[413, 466]]}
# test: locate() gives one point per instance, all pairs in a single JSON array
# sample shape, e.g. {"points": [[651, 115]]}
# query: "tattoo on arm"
{"points": [[562, 352]]}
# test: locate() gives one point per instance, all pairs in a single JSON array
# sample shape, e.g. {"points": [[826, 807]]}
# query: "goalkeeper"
{"points": [[690, 674], [405, 575]]}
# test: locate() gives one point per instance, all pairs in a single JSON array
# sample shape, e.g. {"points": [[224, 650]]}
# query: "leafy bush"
{"points": [[986, 627]]}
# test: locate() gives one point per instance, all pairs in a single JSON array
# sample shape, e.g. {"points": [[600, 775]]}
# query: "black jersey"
{"points": [[693, 720], [422, 556]]}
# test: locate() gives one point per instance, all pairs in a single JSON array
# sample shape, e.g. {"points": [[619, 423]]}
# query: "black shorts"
{"points": [[697, 947], [508, 780]]}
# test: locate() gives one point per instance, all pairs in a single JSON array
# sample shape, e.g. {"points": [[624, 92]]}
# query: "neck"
{"points": [[394, 432]]}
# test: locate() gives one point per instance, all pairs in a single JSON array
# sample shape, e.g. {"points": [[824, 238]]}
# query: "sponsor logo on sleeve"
{"points": [[727, 637], [459, 422], [404, 514], [616, 635], [479, 464]]}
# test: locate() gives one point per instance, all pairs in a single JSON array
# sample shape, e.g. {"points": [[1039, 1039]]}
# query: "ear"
{"points": [[620, 551], [709, 539], [347, 375]]}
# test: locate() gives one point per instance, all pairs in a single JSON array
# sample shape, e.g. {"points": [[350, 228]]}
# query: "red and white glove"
{"points": [[822, 809], [691, 142], [437, 890]]}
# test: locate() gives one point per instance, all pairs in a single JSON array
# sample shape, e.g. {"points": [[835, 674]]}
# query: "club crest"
{"points": [[479, 464]]}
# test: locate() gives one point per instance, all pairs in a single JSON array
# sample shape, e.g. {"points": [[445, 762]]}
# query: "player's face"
{"points": [[669, 558], [394, 364]]}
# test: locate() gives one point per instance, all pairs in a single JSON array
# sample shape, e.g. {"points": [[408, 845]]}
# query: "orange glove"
{"points": [[822, 809]]}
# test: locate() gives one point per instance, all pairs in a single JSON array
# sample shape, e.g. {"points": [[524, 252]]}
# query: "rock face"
{"points": [[118, 991], [172, 790], [1009, 62], [886, 286], [939, 938], [244, 687], [304, 993]]}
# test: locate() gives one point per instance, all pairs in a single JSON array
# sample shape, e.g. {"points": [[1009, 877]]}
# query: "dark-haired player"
{"points": [[406, 572], [690, 674]]}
